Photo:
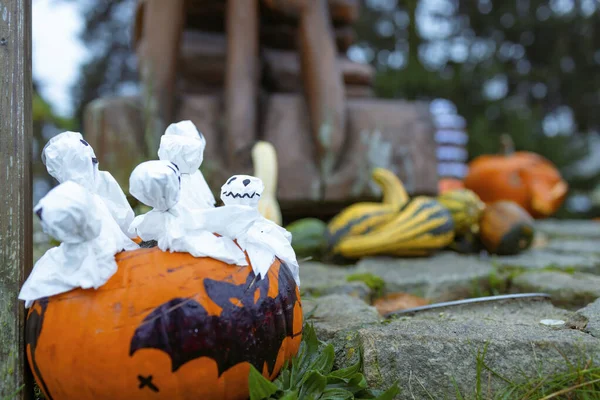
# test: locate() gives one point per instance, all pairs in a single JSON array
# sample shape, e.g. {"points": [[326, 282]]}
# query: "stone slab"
{"points": [[540, 259], [336, 312], [318, 279], [442, 277], [574, 246], [592, 313], [439, 350], [569, 228], [567, 290]]}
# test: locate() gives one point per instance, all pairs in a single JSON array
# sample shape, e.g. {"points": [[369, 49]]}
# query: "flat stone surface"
{"points": [[318, 279], [539, 259], [442, 277], [573, 246], [592, 313], [568, 290], [569, 228], [337, 312], [436, 348]]}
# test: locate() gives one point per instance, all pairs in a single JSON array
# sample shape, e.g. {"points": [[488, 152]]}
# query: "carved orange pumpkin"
{"points": [[165, 326], [526, 178]]}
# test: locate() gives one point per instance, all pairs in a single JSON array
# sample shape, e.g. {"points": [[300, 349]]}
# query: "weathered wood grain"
{"points": [[323, 83], [158, 51], [15, 190], [241, 81]]}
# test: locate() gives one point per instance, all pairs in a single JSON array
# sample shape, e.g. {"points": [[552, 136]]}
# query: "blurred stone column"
{"points": [[451, 138]]}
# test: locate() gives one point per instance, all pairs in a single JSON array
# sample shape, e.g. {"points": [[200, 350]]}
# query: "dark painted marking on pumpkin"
{"points": [[147, 382], [244, 332], [170, 270], [33, 330]]}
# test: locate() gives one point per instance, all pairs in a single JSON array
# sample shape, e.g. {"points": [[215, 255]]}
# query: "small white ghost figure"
{"points": [[240, 220], [68, 157], [85, 258], [184, 145], [173, 226]]}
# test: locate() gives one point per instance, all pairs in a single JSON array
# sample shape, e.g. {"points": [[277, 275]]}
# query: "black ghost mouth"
{"points": [[240, 196]]}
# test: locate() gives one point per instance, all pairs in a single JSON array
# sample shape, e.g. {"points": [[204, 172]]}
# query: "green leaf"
{"points": [[307, 356], [290, 396], [260, 387], [346, 373], [324, 362], [390, 393], [336, 394], [313, 385]]}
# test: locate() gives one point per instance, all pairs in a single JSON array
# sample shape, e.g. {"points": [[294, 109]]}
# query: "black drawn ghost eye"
{"points": [[246, 182], [84, 142], [39, 213], [231, 180], [94, 160]]}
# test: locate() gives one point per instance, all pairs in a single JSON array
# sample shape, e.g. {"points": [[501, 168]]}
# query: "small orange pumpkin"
{"points": [[506, 228], [526, 178], [165, 326]]}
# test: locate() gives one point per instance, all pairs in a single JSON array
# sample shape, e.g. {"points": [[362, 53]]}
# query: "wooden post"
{"points": [[16, 209], [323, 83], [158, 52], [241, 81]]}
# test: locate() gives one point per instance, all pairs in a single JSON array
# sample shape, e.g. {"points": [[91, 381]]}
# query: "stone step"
{"points": [[441, 277], [443, 350], [570, 290], [569, 228]]}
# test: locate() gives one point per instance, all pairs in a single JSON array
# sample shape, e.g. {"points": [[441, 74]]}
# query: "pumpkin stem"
{"points": [[507, 144]]}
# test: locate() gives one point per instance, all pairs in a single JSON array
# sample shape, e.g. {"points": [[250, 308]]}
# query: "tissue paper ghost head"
{"points": [[68, 157], [242, 190], [184, 151], [66, 213], [156, 183], [185, 128]]}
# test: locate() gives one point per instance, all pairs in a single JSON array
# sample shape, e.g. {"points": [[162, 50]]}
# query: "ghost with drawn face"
{"points": [[68, 157], [184, 145], [242, 190], [239, 219], [171, 224]]}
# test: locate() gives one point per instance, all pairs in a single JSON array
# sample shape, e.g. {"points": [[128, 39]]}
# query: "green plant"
{"points": [[374, 282], [311, 377]]}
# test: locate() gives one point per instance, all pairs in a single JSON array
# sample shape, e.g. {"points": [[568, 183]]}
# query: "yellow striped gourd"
{"points": [[421, 228], [466, 209], [360, 218]]}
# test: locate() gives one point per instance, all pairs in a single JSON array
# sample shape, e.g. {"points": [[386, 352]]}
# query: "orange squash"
{"points": [[165, 326], [506, 228], [526, 178]]}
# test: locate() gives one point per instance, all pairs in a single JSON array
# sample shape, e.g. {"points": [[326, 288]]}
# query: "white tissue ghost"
{"points": [[183, 145], [172, 225], [68, 157], [84, 259], [240, 220]]}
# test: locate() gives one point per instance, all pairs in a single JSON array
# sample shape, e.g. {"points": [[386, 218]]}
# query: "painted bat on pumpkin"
{"points": [[250, 328]]}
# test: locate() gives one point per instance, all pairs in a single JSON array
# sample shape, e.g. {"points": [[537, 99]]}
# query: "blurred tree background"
{"points": [[529, 68]]}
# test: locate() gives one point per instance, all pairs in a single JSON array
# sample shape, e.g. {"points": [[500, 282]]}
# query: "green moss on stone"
{"points": [[374, 282]]}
